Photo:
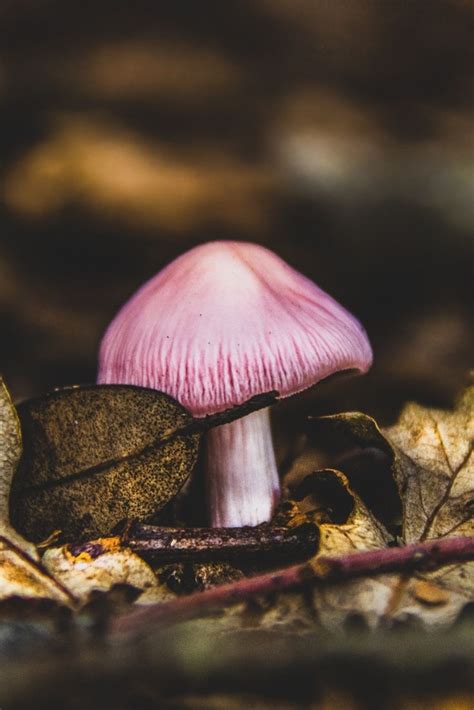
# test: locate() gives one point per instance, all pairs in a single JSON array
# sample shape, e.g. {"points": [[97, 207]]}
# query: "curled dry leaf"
{"points": [[429, 456], [94, 456], [346, 525], [10, 453], [21, 577], [100, 565], [20, 574], [417, 477], [434, 470]]}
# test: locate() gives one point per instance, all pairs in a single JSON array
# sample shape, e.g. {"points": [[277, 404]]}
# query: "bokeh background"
{"points": [[338, 133]]}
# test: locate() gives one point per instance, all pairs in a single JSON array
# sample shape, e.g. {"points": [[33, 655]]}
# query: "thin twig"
{"points": [[322, 571]]}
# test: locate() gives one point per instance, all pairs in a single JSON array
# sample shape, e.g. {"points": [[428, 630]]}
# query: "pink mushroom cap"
{"points": [[226, 321]]}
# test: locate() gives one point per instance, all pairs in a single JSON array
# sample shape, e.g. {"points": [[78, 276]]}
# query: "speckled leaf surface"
{"points": [[20, 575], [10, 453], [94, 456], [10, 447]]}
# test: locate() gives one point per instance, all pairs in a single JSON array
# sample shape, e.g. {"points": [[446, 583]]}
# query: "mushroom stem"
{"points": [[242, 478]]}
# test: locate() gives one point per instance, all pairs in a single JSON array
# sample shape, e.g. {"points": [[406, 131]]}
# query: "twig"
{"points": [[323, 571], [199, 544], [205, 544]]}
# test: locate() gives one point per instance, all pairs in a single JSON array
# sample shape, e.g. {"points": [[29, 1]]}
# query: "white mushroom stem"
{"points": [[242, 478]]}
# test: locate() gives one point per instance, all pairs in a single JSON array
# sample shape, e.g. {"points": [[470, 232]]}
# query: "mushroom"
{"points": [[220, 324]]}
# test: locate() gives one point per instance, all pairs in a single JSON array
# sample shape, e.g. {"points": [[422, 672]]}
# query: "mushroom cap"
{"points": [[226, 321]]}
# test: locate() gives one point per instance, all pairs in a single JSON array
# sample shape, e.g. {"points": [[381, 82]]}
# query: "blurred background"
{"points": [[337, 133]]}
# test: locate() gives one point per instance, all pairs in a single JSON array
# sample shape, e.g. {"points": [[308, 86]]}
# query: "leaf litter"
{"points": [[412, 482]]}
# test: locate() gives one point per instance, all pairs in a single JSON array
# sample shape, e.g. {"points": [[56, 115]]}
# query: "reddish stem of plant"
{"points": [[323, 571]]}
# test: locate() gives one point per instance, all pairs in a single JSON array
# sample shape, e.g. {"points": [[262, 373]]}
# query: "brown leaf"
{"points": [[10, 447], [346, 525], [20, 574], [96, 455], [21, 577], [434, 469], [353, 443], [100, 565], [10, 452], [429, 455]]}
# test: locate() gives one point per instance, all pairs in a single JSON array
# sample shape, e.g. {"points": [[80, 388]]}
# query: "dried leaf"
{"points": [[21, 577], [10, 452], [354, 444], [20, 574], [346, 525], [434, 469], [429, 593], [429, 455], [10, 447], [94, 456], [100, 565], [397, 464]]}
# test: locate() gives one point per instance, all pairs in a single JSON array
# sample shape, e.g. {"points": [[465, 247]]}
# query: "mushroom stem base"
{"points": [[242, 477]]}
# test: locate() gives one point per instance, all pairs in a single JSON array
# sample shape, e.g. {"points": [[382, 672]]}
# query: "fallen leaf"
{"points": [[96, 455], [422, 466], [434, 469], [353, 443], [100, 565], [346, 525], [428, 453], [21, 577], [20, 574], [10, 453]]}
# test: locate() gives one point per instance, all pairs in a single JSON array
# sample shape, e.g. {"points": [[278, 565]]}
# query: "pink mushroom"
{"points": [[224, 322]]}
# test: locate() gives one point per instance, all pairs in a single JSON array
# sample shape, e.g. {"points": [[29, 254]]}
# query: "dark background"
{"points": [[339, 133]]}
